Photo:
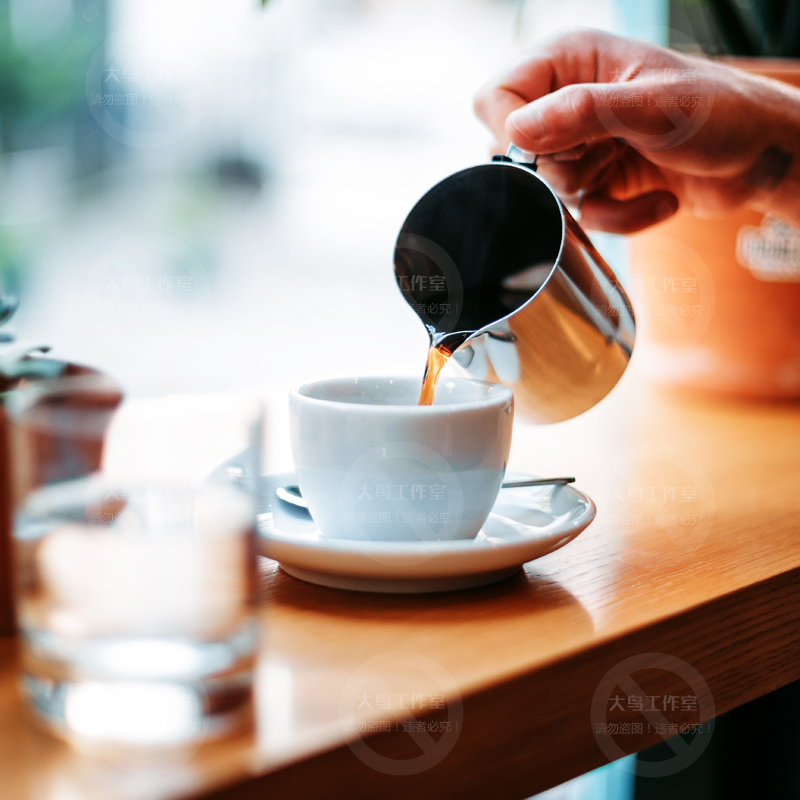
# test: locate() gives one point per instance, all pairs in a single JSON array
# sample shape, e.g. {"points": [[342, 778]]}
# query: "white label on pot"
{"points": [[771, 252]]}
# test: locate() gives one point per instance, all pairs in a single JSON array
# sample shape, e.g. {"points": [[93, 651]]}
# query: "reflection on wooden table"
{"points": [[693, 555]]}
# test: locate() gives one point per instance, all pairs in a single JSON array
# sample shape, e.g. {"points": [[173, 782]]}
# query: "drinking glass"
{"points": [[135, 559]]}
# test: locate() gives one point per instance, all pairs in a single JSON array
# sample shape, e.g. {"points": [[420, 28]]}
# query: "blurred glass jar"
{"points": [[136, 575]]}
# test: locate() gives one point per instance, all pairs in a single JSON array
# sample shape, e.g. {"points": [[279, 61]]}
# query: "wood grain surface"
{"points": [[687, 585]]}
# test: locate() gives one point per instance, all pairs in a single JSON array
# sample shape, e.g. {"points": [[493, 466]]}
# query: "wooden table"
{"points": [[694, 555]]}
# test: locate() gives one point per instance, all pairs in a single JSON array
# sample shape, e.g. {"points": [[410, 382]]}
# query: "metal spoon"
{"points": [[293, 496]]}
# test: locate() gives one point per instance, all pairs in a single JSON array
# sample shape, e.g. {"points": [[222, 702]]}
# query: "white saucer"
{"points": [[525, 523]]}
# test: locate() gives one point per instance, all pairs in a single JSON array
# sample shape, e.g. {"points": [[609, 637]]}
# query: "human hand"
{"points": [[636, 130]]}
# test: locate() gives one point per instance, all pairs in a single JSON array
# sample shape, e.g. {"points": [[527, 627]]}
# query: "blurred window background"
{"points": [[195, 193]]}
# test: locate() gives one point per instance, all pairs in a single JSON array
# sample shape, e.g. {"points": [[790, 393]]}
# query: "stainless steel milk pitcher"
{"points": [[504, 277]]}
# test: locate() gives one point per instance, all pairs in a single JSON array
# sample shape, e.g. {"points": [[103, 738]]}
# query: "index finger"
{"points": [[515, 89], [569, 58]]}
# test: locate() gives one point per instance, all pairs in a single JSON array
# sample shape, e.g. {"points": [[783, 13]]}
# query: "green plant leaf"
{"points": [[729, 21]]}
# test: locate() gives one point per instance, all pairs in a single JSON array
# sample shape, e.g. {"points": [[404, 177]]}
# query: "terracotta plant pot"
{"points": [[718, 300]]}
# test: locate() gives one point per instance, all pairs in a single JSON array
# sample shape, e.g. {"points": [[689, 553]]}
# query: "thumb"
{"points": [[558, 121], [585, 112]]}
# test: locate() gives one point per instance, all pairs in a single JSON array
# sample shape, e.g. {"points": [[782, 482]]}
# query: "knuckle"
{"points": [[582, 35], [569, 106], [580, 100]]}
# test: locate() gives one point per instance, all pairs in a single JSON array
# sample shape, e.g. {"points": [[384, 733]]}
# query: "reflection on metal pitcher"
{"points": [[506, 280]]}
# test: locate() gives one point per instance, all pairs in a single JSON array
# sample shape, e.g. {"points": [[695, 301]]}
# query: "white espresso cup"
{"points": [[374, 465]]}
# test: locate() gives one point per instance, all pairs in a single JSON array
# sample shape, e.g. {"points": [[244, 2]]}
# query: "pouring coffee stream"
{"points": [[509, 285], [440, 348]]}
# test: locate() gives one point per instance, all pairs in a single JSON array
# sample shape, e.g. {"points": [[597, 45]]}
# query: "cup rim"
{"points": [[502, 395]]}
